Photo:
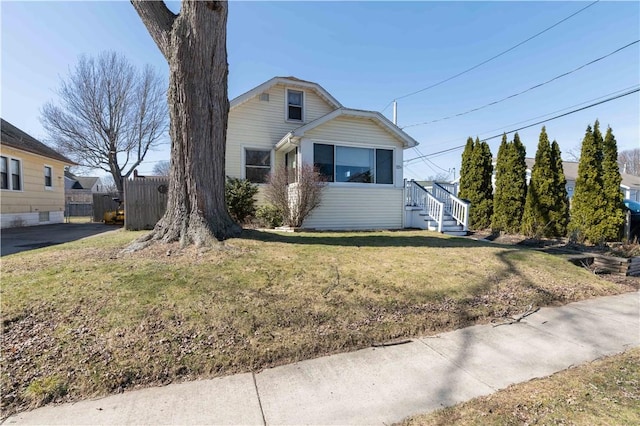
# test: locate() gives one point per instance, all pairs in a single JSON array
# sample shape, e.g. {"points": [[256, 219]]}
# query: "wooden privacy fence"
{"points": [[78, 209], [145, 201], [103, 203]]}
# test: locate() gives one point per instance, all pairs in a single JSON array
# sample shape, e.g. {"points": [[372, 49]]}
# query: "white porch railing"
{"points": [[451, 187], [457, 208], [417, 196]]}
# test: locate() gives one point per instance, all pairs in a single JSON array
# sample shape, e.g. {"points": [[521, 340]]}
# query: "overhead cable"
{"points": [[525, 91], [455, 148], [490, 59]]}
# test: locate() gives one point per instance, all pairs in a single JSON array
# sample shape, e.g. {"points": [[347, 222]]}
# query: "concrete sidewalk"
{"points": [[378, 385]]}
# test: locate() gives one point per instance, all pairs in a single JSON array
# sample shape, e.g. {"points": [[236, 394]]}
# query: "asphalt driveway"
{"points": [[16, 240]]}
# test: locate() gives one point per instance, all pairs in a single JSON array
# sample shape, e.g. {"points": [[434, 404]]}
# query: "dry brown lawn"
{"points": [[83, 319]]}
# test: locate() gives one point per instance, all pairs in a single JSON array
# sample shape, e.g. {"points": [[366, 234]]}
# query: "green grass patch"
{"points": [[604, 392], [106, 321]]}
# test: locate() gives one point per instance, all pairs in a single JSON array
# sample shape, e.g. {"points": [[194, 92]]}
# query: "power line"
{"points": [[455, 148], [424, 159], [538, 116], [527, 90], [490, 59], [559, 110]]}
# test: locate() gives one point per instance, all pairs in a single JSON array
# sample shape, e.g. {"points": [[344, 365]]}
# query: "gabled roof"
{"points": [[87, 182], [570, 169], [287, 81], [379, 119], [16, 138]]}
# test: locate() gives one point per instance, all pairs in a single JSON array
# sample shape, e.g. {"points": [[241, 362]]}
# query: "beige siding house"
{"points": [[287, 121], [32, 180]]}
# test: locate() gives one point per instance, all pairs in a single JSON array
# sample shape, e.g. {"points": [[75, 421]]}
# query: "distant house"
{"points": [[31, 180], [80, 189], [630, 186]]}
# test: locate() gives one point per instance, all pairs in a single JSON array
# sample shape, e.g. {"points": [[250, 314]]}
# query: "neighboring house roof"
{"points": [[570, 169], [287, 81], [16, 138], [79, 182], [87, 182], [376, 117]]}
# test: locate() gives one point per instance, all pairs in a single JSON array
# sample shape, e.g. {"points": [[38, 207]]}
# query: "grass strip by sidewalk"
{"points": [[82, 319], [603, 392]]}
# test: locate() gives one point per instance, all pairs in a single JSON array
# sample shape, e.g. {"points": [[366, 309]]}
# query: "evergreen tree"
{"points": [[475, 185], [560, 213], [611, 179], [519, 168], [465, 168], [588, 203], [500, 200], [510, 186], [537, 220]]}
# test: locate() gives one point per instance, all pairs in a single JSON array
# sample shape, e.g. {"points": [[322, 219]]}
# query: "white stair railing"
{"points": [[456, 207], [451, 187], [417, 196]]}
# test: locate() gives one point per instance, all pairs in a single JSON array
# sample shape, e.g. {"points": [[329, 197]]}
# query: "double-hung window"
{"points": [[4, 173], [257, 165], [16, 177], [350, 164], [48, 181], [295, 100], [10, 174]]}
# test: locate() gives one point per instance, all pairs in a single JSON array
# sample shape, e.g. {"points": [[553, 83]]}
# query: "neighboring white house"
{"points": [[287, 121]]}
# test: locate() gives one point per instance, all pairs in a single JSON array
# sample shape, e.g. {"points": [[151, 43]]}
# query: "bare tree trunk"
{"points": [[194, 44]]}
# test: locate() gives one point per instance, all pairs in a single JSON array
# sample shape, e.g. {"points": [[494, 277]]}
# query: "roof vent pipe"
{"points": [[395, 113]]}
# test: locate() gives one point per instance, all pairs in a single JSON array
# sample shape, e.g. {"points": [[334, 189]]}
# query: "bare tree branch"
{"points": [[109, 114], [629, 161], [161, 168]]}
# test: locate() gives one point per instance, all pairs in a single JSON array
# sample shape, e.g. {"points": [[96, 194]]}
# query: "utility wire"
{"points": [[490, 59], [526, 90], [537, 117], [559, 110], [455, 148]]}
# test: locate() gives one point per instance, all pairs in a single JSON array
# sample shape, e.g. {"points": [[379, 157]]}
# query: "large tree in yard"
{"points": [[194, 44], [109, 114]]}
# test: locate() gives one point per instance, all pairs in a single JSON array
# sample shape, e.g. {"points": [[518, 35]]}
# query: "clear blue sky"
{"points": [[366, 54]]}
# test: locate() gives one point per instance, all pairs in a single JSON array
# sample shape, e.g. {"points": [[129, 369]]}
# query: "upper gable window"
{"points": [[294, 105]]}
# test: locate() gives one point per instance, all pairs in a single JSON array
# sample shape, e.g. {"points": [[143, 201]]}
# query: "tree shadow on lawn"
{"points": [[369, 239], [533, 296]]}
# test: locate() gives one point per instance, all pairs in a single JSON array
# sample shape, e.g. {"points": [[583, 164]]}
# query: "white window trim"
{"points": [[286, 105], [243, 172], [9, 177], [355, 145], [48, 188]]}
